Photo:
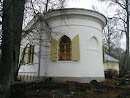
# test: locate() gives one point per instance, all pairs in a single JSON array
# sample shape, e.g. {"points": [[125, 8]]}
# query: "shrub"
{"points": [[110, 73]]}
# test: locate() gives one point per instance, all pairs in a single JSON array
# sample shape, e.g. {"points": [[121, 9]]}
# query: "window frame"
{"points": [[65, 49]]}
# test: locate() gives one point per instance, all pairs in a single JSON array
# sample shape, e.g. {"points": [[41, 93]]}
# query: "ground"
{"points": [[110, 88]]}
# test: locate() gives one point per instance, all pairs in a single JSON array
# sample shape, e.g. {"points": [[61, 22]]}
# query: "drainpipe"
{"points": [[40, 42]]}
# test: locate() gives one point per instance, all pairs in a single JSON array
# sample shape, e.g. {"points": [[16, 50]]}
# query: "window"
{"points": [[93, 43], [30, 54], [27, 54], [65, 48]]}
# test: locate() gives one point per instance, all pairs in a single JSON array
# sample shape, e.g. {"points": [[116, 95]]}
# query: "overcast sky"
{"points": [[81, 3], [87, 4], [100, 6]]}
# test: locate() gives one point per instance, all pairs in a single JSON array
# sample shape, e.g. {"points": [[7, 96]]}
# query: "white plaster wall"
{"points": [[91, 62], [88, 25]]}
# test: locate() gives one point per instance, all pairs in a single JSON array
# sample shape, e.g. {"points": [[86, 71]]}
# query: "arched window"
{"points": [[27, 55], [65, 48], [93, 43]]}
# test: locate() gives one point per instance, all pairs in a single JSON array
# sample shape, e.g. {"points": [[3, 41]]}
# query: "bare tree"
{"points": [[122, 15], [33, 7], [111, 35], [37, 10], [12, 19], [12, 12]]}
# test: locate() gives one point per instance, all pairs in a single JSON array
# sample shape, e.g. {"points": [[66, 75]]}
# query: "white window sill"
{"points": [[64, 61]]}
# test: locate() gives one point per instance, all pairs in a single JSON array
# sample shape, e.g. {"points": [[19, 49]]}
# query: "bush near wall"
{"points": [[111, 73]]}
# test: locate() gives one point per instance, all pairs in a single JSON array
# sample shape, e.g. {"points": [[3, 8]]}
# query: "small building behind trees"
{"points": [[111, 65]]}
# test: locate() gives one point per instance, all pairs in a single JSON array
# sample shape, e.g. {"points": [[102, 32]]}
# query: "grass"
{"points": [[99, 91]]}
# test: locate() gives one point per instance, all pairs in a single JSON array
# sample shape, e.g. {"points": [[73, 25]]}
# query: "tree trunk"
{"points": [[7, 48], [18, 13], [13, 11], [123, 71], [47, 1]]}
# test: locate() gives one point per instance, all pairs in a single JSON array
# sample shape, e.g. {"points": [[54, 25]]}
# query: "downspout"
{"points": [[40, 42]]}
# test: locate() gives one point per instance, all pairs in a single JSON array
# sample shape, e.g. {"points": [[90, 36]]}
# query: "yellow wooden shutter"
{"points": [[32, 53], [26, 55], [103, 52], [75, 48], [53, 55], [21, 54]]}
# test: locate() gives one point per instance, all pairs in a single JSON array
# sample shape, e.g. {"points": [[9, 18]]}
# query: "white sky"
{"points": [[81, 3], [87, 4]]}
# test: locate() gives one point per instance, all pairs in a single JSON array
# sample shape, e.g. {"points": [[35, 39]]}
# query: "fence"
{"points": [[27, 76]]}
